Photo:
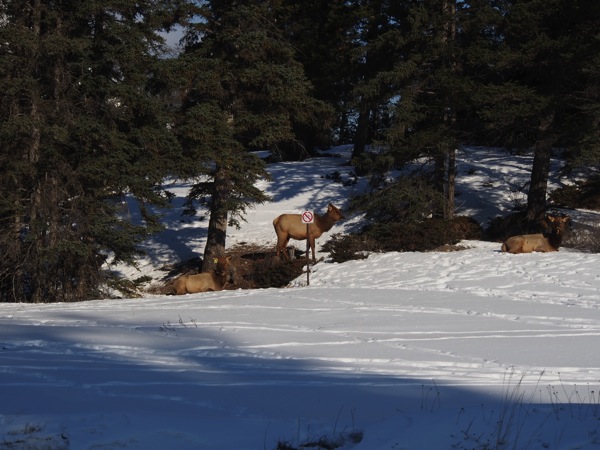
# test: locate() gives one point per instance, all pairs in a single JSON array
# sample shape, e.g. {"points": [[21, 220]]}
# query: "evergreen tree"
{"points": [[535, 80], [585, 95], [324, 32], [377, 35], [245, 91], [432, 92], [80, 125]]}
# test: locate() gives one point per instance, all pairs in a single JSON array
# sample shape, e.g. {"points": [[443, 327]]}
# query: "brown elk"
{"points": [[213, 280], [549, 242], [290, 226]]}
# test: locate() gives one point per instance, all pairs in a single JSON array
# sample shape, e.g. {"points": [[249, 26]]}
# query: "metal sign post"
{"points": [[308, 217]]}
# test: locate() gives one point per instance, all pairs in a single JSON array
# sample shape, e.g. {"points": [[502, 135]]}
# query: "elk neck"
{"points": [[555, 238], [324, 222]]}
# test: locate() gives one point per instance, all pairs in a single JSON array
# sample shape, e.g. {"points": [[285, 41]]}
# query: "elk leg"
{"points": [[281, 248]]}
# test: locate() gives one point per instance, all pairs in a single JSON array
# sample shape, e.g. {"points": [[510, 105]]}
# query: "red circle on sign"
{"points": [[307, 217]]}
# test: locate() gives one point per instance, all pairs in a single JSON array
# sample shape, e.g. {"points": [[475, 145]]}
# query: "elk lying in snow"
{"points": [[213, 280], [549, 242], [290, 226]]}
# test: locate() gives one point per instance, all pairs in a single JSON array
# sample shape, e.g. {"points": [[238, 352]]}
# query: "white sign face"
{"points": [[308, 217]]}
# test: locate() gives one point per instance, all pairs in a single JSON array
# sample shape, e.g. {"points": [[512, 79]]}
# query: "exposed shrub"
{"points": [[584, 194], [584, 237], [407, 199], [427, 235], [273, 272], [374, 164], [502, 228], [466, 228], [344, 439], [258, 267], [253, 267], [350, 246]]}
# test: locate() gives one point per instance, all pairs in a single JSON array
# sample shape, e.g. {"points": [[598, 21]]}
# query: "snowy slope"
{"points": [[469, 349]]}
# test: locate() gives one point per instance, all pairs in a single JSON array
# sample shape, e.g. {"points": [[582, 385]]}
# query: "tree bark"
{"points": [[35, 196], [536, 198], [449, 168], [444, 176], [217, 224], [362, 132], [538, 186], [450, 188]]}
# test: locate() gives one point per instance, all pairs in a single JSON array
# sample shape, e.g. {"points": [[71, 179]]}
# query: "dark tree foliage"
{"points": [[412, 95], [582, 133], [409, 200], [245, 91], [380, 37], [521, 74], [432, 116], [323, 32], [80, 126], [536, 76], [91, 111]]}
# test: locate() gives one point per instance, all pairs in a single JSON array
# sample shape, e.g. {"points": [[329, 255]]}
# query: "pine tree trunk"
{"points": [[449, 191], [217, 224], [536, 198], [439, 174], [445, 158], [35, 197], [450, 188], [362, 132], [538, 187], [445, 173]]}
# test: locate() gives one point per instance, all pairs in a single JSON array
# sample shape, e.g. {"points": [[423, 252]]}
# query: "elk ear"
{"points": [[228, 258]]}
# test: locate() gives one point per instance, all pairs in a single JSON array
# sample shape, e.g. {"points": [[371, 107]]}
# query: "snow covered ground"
{"points": [[464, 350]]}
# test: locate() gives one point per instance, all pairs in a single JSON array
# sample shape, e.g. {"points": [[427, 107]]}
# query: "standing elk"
{"points": [[527, 243], [290, 226], [213, 280]]}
